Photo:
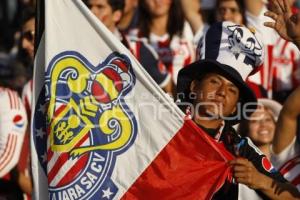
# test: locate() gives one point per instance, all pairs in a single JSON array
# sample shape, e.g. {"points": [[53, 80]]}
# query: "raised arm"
{"points": [[191, 9], [254, 6], [285, 22], [286, 128]]}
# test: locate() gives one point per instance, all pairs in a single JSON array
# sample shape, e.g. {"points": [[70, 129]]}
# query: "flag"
{"points": [[102, 128]]}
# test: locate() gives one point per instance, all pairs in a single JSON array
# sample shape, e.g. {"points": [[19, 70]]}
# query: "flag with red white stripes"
{"points": [[103, 129], [13, 124]]}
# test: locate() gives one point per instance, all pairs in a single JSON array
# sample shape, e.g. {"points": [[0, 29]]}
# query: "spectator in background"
{"points": [[286, 23], [26, 46], [161, 25], [286, 146], [129, 19], [260, 127], [109, 12], [280, 73], [231, 10], [13, 124], [226, 10], [27, 53]]}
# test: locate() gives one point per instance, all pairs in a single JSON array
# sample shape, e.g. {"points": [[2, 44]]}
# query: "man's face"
{"points": [[228, 10], [105, 13], [28, 37], [215, 96]]}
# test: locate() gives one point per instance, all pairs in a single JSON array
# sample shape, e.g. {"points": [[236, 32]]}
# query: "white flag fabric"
{"points": [[99, 119], [74, 36]]}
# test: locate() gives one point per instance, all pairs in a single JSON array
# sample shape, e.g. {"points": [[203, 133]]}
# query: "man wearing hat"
{"points": [[214, 93]]}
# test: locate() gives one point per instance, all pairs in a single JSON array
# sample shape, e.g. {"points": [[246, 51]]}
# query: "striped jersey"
{"points": [[175, 53], [288, 163], [13, 124]]}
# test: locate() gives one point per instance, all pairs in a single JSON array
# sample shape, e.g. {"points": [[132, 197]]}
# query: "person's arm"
{"points": [[25, 183], [245, 173], [191, 9], [286, 127], [254, 6], [285, 23]]}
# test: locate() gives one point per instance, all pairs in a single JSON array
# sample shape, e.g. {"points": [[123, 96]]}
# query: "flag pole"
{"points": [[39, 22]]}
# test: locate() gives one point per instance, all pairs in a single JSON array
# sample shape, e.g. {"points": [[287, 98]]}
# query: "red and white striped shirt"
{"points": [[285, 65], [175, 53], [288, 163], [13, 124]]}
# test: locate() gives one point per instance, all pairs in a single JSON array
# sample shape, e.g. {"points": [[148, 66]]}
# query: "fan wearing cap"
{"points": [[214, 93]]}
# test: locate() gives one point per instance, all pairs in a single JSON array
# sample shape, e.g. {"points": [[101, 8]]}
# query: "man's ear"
{"points": [[117, 15]]}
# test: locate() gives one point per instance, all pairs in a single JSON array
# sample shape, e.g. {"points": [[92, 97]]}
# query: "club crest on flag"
{"points": [[88, 124]]}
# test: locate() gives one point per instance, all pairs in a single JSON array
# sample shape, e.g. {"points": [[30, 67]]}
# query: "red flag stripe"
{"points": [[186, 163]]}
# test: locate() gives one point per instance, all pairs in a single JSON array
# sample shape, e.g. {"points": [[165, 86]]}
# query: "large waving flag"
{"points": [[102, 128]]}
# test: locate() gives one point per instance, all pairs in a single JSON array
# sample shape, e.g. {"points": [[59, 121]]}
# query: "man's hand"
{"points": [[244, 172], [285, 23]]}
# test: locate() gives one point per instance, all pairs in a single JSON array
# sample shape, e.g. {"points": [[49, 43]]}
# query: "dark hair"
{"points": [[27, 14], [175, 19], [114, 4], [117, 4], [241, 6], [243, 128]]}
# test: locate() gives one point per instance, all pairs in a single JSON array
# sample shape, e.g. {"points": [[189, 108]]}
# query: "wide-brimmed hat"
{"points": [[230, 50]]}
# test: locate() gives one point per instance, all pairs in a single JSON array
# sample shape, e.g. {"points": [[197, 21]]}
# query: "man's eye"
{"points": [[214, 81], [233, 90]]}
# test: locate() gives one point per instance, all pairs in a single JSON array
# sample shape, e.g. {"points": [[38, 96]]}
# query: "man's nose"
{"points": [[221, 91]]}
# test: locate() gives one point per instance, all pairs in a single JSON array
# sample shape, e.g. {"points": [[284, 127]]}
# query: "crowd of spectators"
{"points": [[164, 36]]}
